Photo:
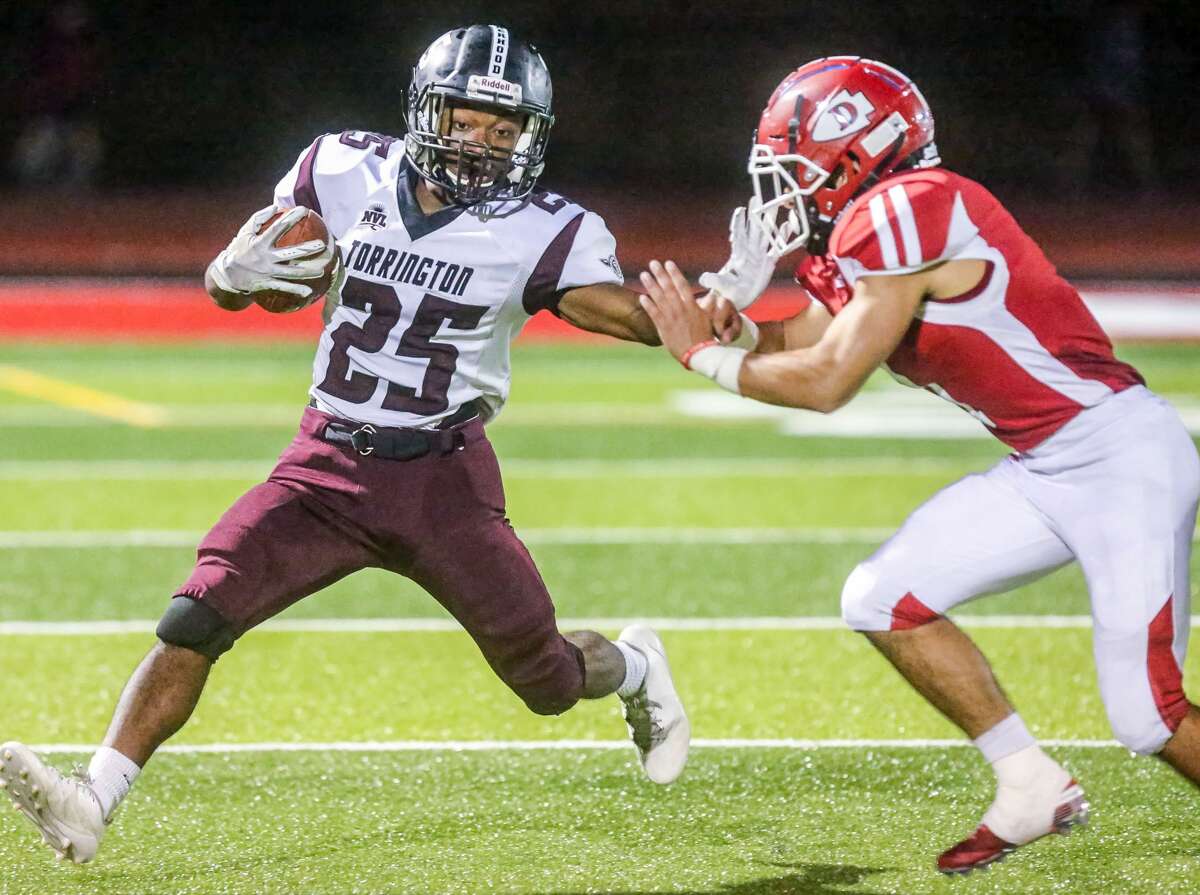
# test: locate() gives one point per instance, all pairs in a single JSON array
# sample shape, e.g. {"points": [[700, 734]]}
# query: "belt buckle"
{"points": [[365, 431]]}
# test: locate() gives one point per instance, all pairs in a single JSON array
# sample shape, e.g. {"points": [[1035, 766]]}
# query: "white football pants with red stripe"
{"points": [[1115, 489]]}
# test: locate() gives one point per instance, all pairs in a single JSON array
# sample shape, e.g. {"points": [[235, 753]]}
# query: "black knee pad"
{"points": [[192, 625]]}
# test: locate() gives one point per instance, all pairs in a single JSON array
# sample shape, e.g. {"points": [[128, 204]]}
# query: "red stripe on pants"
{"points": [[1166, 680], [911, 613]]}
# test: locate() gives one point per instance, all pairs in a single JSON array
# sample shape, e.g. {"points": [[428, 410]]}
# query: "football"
{"points": [[308, 227]]}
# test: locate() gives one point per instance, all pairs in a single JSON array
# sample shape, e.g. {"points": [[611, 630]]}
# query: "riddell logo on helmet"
{"points": [[843, 114], [496, 89]]}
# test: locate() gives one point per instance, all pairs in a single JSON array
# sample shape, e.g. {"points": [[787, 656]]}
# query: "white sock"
{"points": [[1015, 755], [1009, 736], [112, 774], [635, 669]]}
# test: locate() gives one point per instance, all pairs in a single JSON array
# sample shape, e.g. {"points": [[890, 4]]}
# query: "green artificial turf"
{"points": [[863, 819], [740, 822]]}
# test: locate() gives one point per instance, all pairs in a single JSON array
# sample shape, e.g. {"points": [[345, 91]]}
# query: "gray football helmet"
{"points": [[481, 66]]}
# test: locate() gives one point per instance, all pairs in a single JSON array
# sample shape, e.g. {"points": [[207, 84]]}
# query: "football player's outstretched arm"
{"points": [[849, 347], [830, 372], [608, 309], [821, 377], [732, 327], [801, 331]]}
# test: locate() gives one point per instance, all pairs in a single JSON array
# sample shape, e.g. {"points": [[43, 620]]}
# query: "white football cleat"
{"points": [[64, 809], [657, 723]]}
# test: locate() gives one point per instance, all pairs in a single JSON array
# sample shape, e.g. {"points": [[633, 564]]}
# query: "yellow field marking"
{"points": [[80, 397]]}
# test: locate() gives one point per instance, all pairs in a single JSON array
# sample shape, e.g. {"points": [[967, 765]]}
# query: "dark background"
{"points": [[649, 96]]}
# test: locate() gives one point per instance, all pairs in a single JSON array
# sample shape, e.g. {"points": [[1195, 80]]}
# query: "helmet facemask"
{"points": [[470, 171], [784, 206], [832, 130]]}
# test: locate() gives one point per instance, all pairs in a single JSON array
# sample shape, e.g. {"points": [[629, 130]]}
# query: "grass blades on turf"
{"points": [[771, 822]]}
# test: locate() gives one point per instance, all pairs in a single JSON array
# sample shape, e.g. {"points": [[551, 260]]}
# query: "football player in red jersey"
{"points": [[921, 270]]}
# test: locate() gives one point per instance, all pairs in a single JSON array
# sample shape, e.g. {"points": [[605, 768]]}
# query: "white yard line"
{"points": [[411, 625], [890, 412], [183, 538], [206, 416], [70, 540], [674, 468], [132, 470], [19, 540], [560, 745], [668, 535]]}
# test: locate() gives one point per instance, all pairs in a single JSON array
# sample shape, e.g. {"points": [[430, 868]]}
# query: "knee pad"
{"points": [[1142, 686], [1144, 736], [866, 606], [1138, 724], [192, 625], [548, 703], [872, 603]]}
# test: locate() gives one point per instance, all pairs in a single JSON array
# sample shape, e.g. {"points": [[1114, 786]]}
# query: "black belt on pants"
{"points": [[402, 444]]}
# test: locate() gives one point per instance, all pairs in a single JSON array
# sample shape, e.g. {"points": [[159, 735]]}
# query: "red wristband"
{"points": [[699, 346]]}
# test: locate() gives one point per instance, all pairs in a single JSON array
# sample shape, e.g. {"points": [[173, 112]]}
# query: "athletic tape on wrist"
{"points": [[748, 337], [720, 363], [686, 360]]}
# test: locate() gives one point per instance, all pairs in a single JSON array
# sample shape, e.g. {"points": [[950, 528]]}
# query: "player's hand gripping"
{"points": [[253, 262], [750, 266], [681, 322], [726, 320]]}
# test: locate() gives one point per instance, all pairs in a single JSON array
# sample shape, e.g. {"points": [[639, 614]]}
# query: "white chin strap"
{"points": [[781, 210], [524, 142]]}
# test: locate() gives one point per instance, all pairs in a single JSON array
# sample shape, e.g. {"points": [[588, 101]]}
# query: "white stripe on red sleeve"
{"points": [[908, 225], [883, 232]]}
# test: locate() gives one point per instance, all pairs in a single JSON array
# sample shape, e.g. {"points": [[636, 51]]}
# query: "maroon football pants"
{"points": [[327, 511]]}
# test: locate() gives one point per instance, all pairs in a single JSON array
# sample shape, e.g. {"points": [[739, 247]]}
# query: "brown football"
{"points": [[308, 227]]}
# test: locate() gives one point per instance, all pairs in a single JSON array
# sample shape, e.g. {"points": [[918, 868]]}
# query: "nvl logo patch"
{"points": [[844, 113], [374, 217]]}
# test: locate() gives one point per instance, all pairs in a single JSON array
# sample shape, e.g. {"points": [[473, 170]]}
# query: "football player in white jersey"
{"points": [[923, 271], [447, 247]]}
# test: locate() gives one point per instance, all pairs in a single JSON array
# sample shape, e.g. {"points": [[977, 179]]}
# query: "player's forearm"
{"points": [[640, 328], [627, 321], [810, 379], [609, 310], [634, 327], [229, 301]]}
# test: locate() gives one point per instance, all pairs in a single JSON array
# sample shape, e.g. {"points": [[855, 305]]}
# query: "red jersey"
{"points": [[1020, 351]]}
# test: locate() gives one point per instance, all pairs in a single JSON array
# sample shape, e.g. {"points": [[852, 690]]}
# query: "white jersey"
{"points": [[432, 302]]}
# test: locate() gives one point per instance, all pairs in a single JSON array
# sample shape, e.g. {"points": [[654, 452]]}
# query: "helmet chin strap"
{"points": [[819, 231]]}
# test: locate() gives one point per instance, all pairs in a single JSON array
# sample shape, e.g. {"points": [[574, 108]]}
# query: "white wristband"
{"points": [[721, 364], [748, 337]]}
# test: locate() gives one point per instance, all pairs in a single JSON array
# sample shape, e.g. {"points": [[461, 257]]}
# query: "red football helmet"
{"points": [[833, 128]]}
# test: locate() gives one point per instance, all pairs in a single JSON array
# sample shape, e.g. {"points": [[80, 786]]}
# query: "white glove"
{"points": [[253, 262], [749, 268]]}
